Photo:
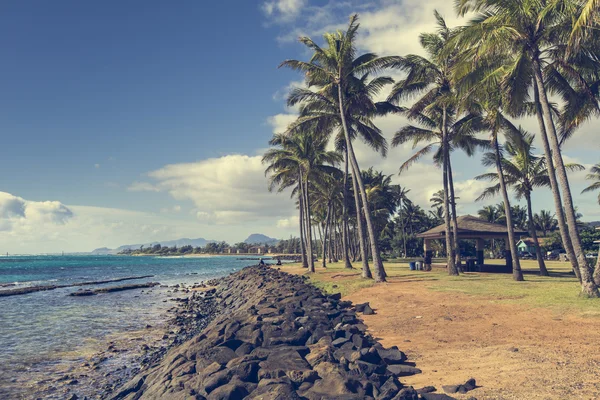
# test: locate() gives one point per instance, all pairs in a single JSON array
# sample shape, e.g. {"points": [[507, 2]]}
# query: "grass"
{"points": [[560, 292]]}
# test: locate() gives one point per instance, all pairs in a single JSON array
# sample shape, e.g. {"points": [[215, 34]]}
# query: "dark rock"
{"points": [[392, 355], [264, 334], [436, 396], [470, 384], [368, 310], [339, 342], [403, 370], [426, 389], [230, 391], [451, 389], [336, 296], [407, 394]]}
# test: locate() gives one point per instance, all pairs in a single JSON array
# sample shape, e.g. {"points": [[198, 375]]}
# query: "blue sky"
{"points": [[127, 122]]}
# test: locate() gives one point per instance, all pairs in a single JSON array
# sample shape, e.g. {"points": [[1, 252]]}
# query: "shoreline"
{"points": [[272, 334]]}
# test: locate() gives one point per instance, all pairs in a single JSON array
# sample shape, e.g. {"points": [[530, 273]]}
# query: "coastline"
{"points": [[272, 334]]}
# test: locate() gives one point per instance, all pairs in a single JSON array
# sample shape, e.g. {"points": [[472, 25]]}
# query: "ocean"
{"points": [[44, 332]]}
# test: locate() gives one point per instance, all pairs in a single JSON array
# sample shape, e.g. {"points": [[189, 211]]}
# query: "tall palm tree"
{"points": [[441, 127], [496, 123], [299, 159], [594, 176], [511, 43], [344, 102], [523, 172]]}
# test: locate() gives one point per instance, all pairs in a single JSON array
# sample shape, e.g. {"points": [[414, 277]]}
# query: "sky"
{"points": [[131, 122]]}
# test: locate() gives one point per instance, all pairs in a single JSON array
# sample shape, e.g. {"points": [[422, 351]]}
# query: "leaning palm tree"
{"points": [[594, 176], [442, 129], [508, 44], [343, 102], [305, 156], [522, 172]]}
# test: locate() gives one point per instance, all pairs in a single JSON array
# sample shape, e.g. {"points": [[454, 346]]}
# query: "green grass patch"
{"points": [[560, 292]]}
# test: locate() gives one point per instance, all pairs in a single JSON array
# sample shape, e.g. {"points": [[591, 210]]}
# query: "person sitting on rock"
{"points": [[278, 261], [261, 262]]}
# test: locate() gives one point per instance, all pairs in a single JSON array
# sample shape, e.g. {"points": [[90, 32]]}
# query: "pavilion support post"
{"points": [[508, 255], [480, 252], [428, 254]]}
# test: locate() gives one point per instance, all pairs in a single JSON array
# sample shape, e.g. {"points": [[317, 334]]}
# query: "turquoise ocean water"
{"points": [[38, 329]]}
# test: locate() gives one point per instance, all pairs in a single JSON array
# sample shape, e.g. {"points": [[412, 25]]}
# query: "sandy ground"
{"points": [[514, 352]]}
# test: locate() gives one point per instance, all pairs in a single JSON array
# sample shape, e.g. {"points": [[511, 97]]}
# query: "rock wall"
{"points": [[275, 337]]}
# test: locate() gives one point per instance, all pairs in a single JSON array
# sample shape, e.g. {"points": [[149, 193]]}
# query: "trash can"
{"points": [[412, 265]]}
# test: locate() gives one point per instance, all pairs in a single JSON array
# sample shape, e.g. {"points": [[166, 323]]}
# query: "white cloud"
{"points": [[227, 190], [280, 122], [283, 10], [97, 166], [20, 216]]}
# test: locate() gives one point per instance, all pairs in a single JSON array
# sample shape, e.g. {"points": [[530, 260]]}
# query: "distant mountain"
{"points": [[200, 242], [257, 238]]}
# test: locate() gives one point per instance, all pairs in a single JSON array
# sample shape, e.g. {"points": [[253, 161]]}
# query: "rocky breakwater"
{"points": [[276, 337]]}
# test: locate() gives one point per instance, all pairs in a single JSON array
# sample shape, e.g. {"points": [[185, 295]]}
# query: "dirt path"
{"points": [[513, 352]]}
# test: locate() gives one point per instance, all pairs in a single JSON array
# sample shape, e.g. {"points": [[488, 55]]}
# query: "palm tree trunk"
{"points": [[449, 248], [332, 236], [588, 286], [402, 226], [379, 270], [301, 222], [311, 262], [597, 270], [454, 217], [516, 265], [533, 233], [324, 241], [366, 271], [345, 244]]}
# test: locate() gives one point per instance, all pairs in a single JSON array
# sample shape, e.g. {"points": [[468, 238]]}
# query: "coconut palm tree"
{"points": [[523, 172], [594, 176], [441, 127], [327, 197], [490, 105], [545, 221], [299, 159], [343, 101], [509, 44]]}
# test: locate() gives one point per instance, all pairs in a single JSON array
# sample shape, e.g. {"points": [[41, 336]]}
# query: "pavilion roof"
{"points": [[470, 227]]}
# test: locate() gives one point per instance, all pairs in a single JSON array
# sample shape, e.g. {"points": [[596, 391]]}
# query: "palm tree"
{"points": [[343, 101], [497, 123], [441, 127], [545, 221], [510, 44], [327, 194], [523, 172], [401, 198], [298, 159], [595, 177]]}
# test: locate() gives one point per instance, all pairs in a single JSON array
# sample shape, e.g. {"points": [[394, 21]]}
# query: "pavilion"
{"points": [[470, 227]]}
